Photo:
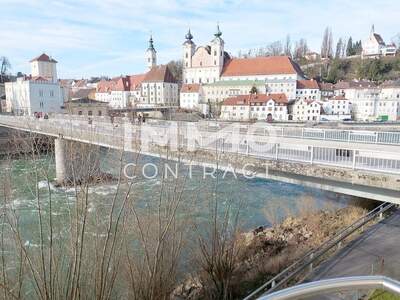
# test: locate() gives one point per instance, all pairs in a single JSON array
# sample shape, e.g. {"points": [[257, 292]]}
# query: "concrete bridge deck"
{"points": [[359, 168]]}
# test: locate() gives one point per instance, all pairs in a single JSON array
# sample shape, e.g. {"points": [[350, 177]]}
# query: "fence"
{"points": [[121, 135], [307, 262]]}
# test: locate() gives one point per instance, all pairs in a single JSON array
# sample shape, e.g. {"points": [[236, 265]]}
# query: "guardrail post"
{"points": [[339, 245], [276, 151], [311, 264], [302, 132], [273, 284], [354, 159], [376, 137], [381, 214], [312, 155]]}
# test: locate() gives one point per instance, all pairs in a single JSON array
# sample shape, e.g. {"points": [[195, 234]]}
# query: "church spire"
{"points": [[151, 44], [189, 36], [372, 29], [218, 33]]}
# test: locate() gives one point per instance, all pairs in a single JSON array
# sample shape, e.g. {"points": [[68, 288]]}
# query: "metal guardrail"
{"points": [[120, 134], [306, 261], [333, 285]]}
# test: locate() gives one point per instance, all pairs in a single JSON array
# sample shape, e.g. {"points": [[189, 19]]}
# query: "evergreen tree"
{"points": [[339, 46], [349, 50]]}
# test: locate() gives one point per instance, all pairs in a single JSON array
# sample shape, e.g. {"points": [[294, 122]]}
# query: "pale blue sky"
{"points": [[109, 37]]}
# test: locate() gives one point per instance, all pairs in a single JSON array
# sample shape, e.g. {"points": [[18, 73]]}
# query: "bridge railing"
{"points": [[308, 261], [120, 135]]}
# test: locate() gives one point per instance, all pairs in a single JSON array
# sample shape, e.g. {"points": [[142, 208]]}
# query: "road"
{"points": [[376, 252]]}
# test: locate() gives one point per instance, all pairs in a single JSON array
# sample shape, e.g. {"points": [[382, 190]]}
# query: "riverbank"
{"points": [[264, 252]]}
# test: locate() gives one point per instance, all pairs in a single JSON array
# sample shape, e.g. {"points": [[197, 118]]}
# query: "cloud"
{"points": [[110, 36]]}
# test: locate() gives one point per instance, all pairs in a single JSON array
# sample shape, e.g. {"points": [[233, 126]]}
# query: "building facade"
{"points": [[191, 96], [374, 46], [156, 87], [308, 90], [272, 107], [38, 93], [306, 110]]}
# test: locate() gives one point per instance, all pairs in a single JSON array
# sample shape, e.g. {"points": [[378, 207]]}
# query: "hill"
{"points": [[377, 70]]}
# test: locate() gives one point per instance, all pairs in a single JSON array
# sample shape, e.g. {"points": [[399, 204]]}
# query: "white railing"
{"points": [[331, 286], [120, 134]]}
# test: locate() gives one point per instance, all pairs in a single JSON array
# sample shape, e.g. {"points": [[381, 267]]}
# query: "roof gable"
{"points": [[159, 74], [44, 57], [263, 65]]}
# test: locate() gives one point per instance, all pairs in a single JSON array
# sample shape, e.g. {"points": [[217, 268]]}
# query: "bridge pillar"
{"points": [[59, 152], [76, 162]]}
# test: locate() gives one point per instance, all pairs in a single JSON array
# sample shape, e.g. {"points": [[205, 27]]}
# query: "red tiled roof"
{"points": [[338, 98], [190, 88], [44, 57], [354, 84], [38, 78], [268, 65], [326, 86], [122, 83], [159, 73], [256, 98], [135, 81], [307, 84]]}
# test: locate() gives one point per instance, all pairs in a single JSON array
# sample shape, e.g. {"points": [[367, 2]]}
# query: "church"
{"points": [[221, 76]]}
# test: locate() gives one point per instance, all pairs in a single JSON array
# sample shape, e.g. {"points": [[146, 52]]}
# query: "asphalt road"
{"points": [[376, 252]]}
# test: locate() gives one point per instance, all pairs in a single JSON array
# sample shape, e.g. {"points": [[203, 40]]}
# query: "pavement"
{"points": [[375, 252]]}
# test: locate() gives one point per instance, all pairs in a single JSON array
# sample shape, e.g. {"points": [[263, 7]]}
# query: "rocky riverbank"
{"points": [[264, 252]]}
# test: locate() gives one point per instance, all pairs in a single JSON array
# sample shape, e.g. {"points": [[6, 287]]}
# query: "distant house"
{"points": [[374, 46], [86, 107], [191, 96], [308, 90], [306, 110], [337, 108], [40, 92], [255, 107]]}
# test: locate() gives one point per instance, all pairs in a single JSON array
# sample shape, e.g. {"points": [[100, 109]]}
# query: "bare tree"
{"points": [[5, 66], [274, 48], [301, 48], [288, 46], [327, 41]]}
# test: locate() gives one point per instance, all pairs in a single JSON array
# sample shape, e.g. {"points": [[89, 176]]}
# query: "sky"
{"points": [[110, 37]]}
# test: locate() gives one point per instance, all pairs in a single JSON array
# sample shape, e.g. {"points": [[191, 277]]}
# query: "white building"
{"points": [[37, 93], [156, 87], [219, 91], [44, 66], [203, 64], [306, 110], [255, 107], [338, 108], [388, 107], [191, 96], [363, 95], [308, 90], [159, 88], [210, 64], [374, 46]]}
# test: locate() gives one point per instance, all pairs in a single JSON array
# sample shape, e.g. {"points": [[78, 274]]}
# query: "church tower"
{"points": [[151, 55], [217, 49], [188, 50]]}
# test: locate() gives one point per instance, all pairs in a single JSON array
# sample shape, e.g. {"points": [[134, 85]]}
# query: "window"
{"points": [[99, 113], [90, 113]]}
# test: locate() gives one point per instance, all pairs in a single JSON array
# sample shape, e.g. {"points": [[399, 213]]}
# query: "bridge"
{"points": [[359, 163]]}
